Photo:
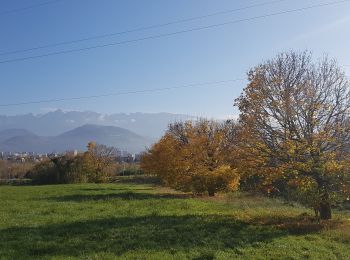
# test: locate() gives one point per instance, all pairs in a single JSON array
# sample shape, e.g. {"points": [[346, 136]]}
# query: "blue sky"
{"points": [[216, 54]]}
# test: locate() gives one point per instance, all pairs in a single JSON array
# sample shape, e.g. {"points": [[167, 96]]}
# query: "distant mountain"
{"points": [[56, 122], [28, 143], [9, 133], [76, 139], [109, 135]]}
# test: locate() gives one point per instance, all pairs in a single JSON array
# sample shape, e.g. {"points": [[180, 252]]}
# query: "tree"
{"points": [[295, 131], [191, 156], [99, 159]]}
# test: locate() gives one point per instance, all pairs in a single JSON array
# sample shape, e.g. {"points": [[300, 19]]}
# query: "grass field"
{"points": [[139, 221]]}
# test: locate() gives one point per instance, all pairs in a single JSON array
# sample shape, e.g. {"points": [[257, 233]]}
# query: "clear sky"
{"points": [[215, 54]]}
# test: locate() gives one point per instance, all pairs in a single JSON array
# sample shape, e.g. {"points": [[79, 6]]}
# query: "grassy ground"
{"points": [[139, 221]]}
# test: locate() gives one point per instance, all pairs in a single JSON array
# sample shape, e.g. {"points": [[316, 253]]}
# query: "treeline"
{"points": [[98, 164], [14, 172], [292, 138]]}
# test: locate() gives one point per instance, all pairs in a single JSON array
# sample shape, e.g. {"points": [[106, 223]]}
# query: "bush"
{"points": [[88, 167], [60, 170], [44, 173], [14, 170]]}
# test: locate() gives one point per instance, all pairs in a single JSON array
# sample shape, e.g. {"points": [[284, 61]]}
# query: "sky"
{"points": [[215, 54]]}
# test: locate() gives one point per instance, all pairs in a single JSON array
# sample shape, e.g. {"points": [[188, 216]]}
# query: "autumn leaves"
{"points": [[293, 133]]}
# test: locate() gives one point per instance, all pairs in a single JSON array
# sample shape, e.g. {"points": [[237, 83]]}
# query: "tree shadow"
{"points": [[138, 179], [119, 195], [116, 189], [297, 225], [120, 235]]}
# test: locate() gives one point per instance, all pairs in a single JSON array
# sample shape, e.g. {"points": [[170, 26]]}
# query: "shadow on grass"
{"points": [[116, 189], [297, 225], [137, 179], [120, 235], [121, 195]]}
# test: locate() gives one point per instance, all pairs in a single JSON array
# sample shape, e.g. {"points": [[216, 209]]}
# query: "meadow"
{"points": [[129, 220]]}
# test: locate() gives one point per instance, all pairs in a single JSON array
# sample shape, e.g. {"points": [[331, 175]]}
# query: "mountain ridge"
{"points": [[77, 139], [13, 132]]}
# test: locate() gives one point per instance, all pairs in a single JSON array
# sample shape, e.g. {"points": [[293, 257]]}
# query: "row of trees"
{"points": [[292, 137]]}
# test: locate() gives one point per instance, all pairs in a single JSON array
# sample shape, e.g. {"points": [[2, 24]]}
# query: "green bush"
{"points": [[44, 173], [60, 170], [71, 169]]}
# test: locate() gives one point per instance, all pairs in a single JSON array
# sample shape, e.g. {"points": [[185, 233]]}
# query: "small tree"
{"points": [[98, 161], [295, 127]]}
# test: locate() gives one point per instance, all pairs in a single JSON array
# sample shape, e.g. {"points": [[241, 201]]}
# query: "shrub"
{"points": [[96, 165], [44, 173], [14, 170], [59, 170]]}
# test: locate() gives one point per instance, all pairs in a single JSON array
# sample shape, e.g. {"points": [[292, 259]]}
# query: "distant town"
{"points": [[24, 157]]}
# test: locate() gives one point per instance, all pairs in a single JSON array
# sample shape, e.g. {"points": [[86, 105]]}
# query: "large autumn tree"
{"points": [[194, 156], [295, 127]]}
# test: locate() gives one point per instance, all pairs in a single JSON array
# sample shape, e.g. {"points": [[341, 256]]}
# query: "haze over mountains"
{"points": [[73, 139], [57, 122], [60, 131]]}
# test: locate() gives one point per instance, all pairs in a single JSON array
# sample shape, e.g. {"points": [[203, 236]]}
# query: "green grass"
{"points": [[139, 221]]}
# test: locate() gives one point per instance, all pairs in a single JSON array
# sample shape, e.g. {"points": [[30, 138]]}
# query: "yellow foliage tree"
{"points": [[193, 156], [295, 128]]}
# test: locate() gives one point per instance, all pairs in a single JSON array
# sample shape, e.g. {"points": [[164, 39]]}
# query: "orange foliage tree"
{"points": [[295, 128], [194, 156]]}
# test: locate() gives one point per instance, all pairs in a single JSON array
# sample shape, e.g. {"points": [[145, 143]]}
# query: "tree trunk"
{"points": [[325, 210], [211, 193]]}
